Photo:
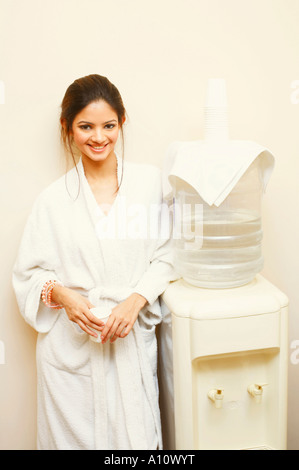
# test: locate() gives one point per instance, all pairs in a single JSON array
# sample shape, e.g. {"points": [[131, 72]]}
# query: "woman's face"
{"points": [[95, 131]]}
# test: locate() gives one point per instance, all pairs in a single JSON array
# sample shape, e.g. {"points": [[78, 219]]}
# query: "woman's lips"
{"points": [[98, 149]]}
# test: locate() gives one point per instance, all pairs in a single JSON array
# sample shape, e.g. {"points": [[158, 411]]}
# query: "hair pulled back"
{"points": [[80, 94]]}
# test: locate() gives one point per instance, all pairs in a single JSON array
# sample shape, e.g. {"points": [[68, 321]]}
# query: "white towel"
{"points": [[213, 169]]}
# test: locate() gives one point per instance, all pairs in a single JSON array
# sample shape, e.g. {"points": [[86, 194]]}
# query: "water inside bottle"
{"points": [[227, 254]]}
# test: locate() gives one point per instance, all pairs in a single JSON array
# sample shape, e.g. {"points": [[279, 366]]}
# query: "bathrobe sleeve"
{"points": [[35, 264], [159, 274], [160, 271]]}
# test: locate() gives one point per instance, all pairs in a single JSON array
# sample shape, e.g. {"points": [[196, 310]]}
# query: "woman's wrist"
{"points": [[139, 300], [46, 294], [58, 294]]}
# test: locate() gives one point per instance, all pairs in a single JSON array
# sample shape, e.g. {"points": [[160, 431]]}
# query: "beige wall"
{"points": [[160, 54]]}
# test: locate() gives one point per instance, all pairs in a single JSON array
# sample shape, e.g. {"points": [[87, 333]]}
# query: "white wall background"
{"points": [[159, 53]]}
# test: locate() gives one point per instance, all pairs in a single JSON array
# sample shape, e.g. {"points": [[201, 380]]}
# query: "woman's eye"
{"points": [[110, 126], [85, 127]]}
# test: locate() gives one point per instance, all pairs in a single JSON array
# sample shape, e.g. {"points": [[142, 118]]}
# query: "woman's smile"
{"points": [[96, 130], [97, 148]]}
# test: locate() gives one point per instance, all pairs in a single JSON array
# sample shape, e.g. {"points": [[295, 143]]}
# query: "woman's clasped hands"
{"points": [[119, 323], [122, 318]]}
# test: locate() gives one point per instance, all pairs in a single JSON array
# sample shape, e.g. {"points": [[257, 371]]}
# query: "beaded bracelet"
{"points": [[47, 294]]}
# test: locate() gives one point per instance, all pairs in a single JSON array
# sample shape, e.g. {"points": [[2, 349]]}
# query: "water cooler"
{"points": [[229, 324]]}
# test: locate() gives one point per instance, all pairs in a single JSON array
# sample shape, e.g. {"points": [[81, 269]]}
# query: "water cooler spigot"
{"points": [[216, 395], [256, 391]]}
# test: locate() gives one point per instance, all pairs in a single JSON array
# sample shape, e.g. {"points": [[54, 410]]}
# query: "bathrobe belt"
{"points": [[133, 367]]}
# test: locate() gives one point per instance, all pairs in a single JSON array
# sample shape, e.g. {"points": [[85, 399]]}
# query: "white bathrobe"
{"points": [[90, 395]]}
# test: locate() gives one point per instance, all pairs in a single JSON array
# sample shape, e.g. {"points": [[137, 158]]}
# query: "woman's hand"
{"points": [[77, 308], [122, 318]]}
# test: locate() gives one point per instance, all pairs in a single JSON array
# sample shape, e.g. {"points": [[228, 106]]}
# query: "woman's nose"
{"points": [[98, 135]]}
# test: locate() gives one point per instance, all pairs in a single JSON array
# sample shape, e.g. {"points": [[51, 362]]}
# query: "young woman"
{"points": [[85, 247]]}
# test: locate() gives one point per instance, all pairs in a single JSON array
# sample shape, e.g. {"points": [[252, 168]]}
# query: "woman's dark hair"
{"points": [[80, 94]]}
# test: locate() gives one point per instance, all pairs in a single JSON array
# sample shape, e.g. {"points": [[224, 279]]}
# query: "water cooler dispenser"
{"points": [[229, 324]]}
